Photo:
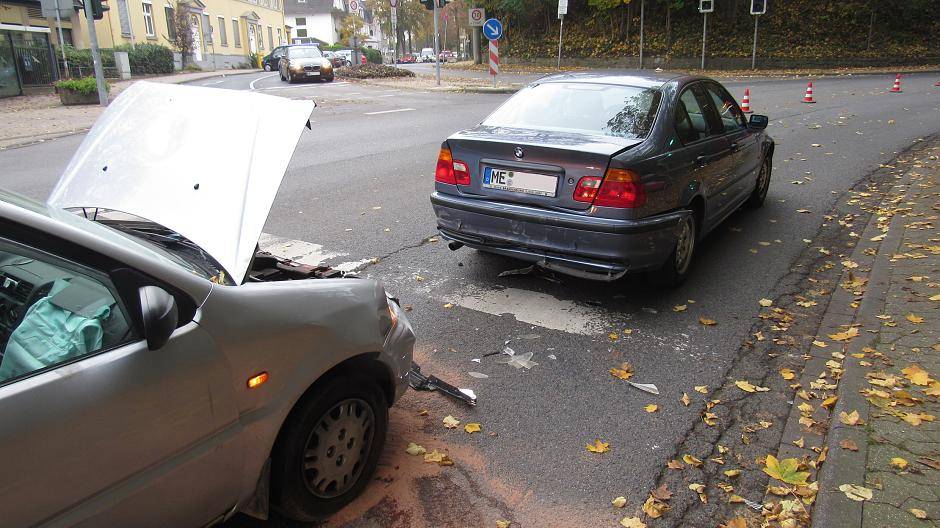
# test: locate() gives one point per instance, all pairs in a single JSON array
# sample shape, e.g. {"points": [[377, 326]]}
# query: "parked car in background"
{"points": [[305, 40], [407, 58], [305, 63], [448, 56], [600, 174], [157, 368], [427, 55], [271, 60], [337, 60]]}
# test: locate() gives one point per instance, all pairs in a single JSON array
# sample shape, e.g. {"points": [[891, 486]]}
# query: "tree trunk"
{"points": [[871, 26], [623, 15], [668, 26], [629, 19]]}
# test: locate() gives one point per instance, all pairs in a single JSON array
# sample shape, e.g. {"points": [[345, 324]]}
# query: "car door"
{"points": [[743, 141], [95, 428], [704, 158]]}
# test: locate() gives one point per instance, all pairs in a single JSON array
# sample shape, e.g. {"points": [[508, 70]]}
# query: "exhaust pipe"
{"points": [[454, 246]]}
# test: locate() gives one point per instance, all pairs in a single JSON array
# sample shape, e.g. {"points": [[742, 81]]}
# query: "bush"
{"points": [[84, 86], [148, 59], [373, 56], [373, 71]]}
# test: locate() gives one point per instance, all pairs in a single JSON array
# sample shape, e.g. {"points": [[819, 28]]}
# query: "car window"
{"points": [[691, 124], [304, 52], [731, 116], [606, 109], [53, 311]]}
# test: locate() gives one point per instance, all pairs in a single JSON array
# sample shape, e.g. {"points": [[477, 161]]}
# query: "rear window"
{"points": [[606, 109]]}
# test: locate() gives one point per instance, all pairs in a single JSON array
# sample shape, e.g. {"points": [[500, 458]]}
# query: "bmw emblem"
{"points": [[519, 152]]}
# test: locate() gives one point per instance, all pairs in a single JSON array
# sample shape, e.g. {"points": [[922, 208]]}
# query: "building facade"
{"points": [[323, 19]]}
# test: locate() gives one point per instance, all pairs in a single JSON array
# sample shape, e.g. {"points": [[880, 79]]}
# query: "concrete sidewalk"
{"points": [[32, 118]]}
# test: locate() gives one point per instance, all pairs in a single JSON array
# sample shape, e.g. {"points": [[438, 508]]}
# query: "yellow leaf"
{"points": [[916, 319], [745, 386], [613, 336], [765, 302], [502, 524], [855, 492], [619, 502], [935, 298], [820, 344], [899, 462], [706, 321], [731, 473], [851, 418], [625, 371], [632, 522], [805, 408], [450, 422], [917, 375], [701, 388], [848, 444], [920, 514], [787, 374], [737, 522], [691, 460], [710, 419], [844, 336], [472, 427], [685, 399], [448, 305], [785, 470], [829, 402], [654, 508], [679, 308], [674, 464], [735, 499], [598, 446], [436, 457], [651, 408], [414, 449]]}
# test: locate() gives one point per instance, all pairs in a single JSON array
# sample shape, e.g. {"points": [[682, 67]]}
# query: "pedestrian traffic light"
{"points": [[98, 7], [428, 4], [758, 7], [706, 6]]}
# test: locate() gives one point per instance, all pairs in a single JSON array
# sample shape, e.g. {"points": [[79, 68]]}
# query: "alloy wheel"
{"points": [[763, 181], [685, 245], [337, 448]]}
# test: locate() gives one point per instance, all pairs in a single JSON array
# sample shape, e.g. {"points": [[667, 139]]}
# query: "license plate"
{"points": [[311, 74], [520, 182]]}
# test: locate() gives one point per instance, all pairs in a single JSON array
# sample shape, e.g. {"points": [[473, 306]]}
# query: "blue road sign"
{"points": [[493, 29]]}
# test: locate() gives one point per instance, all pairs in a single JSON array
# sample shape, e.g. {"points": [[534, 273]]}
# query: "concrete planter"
{"points": [[71, 97]]}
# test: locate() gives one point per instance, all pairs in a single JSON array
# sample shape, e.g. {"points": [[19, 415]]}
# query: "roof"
{"points": [[640, 78], [309, 7]]}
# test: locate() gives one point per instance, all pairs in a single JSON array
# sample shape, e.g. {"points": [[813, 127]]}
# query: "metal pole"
{"points": [[96, 55], [475, 43], [642, 5], [561, 29], [437, 47], [704, 32], [58, 23], [754, 49]]}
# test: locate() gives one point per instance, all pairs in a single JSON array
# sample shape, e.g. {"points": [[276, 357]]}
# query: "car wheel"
{"points": [[676, 268], [329, 449], [267, 67], [290, 79], [329, 79], [282, 76], [763, 184]]}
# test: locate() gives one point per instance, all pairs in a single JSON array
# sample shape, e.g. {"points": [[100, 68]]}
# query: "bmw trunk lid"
{"points": [[530, 166]]}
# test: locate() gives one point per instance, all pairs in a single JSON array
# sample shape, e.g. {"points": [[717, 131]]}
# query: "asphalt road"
{"points": [[357, 189]]}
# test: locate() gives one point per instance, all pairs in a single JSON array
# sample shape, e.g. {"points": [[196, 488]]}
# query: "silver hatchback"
{"points": [[156, 368]]}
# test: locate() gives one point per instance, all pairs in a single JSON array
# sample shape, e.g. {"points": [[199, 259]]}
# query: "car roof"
{"points": [[640, 78]]}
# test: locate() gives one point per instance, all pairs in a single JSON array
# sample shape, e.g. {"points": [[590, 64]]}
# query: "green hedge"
{"points": [[145, 58], [372, 55], [84, 86]]}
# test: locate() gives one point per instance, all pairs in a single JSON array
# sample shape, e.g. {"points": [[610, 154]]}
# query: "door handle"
{"points": [[701, 160], [734, 146]]}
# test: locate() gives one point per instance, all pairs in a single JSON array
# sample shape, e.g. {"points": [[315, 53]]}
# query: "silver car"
{"points": [[156, 368]]}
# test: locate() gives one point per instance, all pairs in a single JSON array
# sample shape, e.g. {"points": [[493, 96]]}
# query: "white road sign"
{"points": [[354, 6], [477, 16], [562, 7]]}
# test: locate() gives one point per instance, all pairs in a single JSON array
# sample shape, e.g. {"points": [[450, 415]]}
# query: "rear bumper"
{"points": [[597, 248]]}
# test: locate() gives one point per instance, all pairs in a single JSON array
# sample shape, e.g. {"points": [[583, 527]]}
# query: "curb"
{"points": [[450, 89]]}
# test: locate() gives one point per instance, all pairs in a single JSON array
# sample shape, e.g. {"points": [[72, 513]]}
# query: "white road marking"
{"points": [[390, 111], [214, 82], [251, 85], [535, 308], [387, 95]]}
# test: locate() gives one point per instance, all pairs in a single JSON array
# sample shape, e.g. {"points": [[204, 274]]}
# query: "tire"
{"points": [[329, 79], [267, 67], [676, 268], [282, 76], [290, 79], [756, 200], [345, 402]]}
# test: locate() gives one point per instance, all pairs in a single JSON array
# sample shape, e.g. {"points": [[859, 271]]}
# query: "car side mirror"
{"points": [[758, 121], [159, 314]]}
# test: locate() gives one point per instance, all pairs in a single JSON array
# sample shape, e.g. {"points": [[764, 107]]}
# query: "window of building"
{"points": [[236, 34], [270, 37], [280, 37], [260, 33], [148, 20], [223, 38], [124, 18], [301, 32], [301, 21], [170, 27], [207, 28]]}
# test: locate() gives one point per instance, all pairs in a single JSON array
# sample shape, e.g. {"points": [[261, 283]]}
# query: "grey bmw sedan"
{"points": [[600, 174]]}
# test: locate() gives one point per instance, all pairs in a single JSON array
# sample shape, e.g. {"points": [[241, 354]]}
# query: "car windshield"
{"points": [[607, 109], [305, 53]]}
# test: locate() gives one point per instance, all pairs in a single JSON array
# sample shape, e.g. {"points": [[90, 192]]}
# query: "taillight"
{"points": [[449, 170], [621, 188], [587, 188]]}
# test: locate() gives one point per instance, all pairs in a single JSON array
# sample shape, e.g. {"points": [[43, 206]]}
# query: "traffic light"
{"points": [[98, 7], [428, 4]]}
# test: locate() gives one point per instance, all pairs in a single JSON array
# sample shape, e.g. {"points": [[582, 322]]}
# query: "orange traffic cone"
{"points": [[808, 98], [897, 85], [746, 102]]}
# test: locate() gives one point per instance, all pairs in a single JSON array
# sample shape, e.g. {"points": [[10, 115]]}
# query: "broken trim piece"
{"points": [[420, 382]]}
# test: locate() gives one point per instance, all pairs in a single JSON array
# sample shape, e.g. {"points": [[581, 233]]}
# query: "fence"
{"points": [[77, 72], [35, 65]]}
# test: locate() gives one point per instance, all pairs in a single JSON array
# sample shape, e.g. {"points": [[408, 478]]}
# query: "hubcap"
{"points": [[338, 447], [763, 181], [685, 244]]}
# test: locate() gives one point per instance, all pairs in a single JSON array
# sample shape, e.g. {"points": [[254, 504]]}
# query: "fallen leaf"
{"points": [[899, 463], [502, 524], [598, 446], [765, 302], [706, 321], [851, 418], [737, 522], [651, 408], [787, 374], [625, 371], [472, 427], [679, 308], [786, 470], [613, 336], [619, 502], [701, 388], [748, 387], [632, 522], [844, 336], [654, 508], [710, 419], [829, 402], [848, 444], [920, 514], [414, 449], [674, 464], [916, 319], [685, 399], [436, 457], [691, 460], [450, 422], [799, 443], [856, 492], [448, 305], [731, 473], [917, 375], [661, 493], [820, 344]]}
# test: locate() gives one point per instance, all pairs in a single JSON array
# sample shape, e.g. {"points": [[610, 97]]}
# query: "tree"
{"points": [[181, 33], [352, 24]]}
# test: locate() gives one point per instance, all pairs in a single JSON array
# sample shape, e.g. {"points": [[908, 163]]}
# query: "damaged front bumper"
{"points": [[399, 347], [585, 246]]}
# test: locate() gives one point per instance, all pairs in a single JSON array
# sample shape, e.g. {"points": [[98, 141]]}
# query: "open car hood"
{"points": [[203, 162]]}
